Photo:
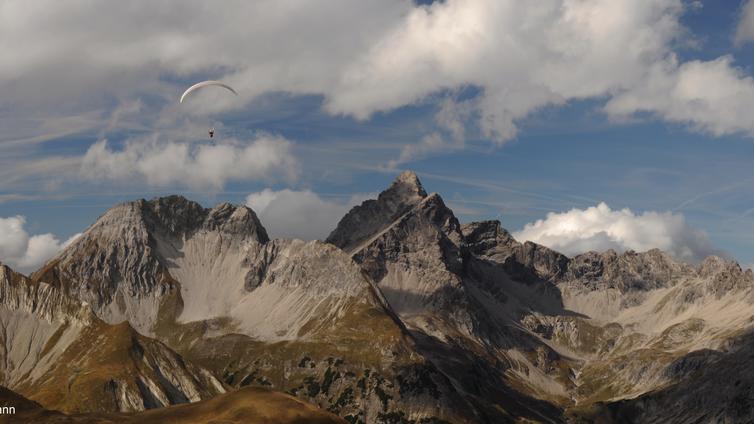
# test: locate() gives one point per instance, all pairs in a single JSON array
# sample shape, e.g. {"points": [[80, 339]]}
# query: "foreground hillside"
{"points": [[248, 405]]}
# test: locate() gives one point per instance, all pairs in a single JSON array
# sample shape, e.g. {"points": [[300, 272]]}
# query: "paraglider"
{"points": [[207, 84]]}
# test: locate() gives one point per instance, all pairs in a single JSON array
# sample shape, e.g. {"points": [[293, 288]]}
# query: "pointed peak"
{"points": [[408, 182], [373, 216]]}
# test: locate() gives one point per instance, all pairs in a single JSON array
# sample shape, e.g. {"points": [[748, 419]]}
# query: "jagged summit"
{"points": [[130, 259], [625, 271], [409, 180], [373, 216], [714, 264], [177, 216]]}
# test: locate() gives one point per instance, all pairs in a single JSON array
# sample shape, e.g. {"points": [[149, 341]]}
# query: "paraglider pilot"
{"points": [[205, 84]]}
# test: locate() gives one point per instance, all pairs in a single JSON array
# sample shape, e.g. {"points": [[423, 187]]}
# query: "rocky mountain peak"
{"points": [[409, 182], [125, 263], [373, 216], [137, 223], [179, 217], [723, 276], [175, 213]]}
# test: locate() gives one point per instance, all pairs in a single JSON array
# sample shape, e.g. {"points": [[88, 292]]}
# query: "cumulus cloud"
{"points": [[362, 57], [521, 55], [202, 166], [600, 228], [299, 214], [25, 252], [745, 30], [711, 96]]}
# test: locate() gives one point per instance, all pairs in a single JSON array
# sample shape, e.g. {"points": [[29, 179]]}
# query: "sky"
{"points": [[579, 124]]}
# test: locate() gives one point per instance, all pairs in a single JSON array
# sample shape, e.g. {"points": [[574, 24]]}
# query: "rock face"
{"points": [[404, 315]]}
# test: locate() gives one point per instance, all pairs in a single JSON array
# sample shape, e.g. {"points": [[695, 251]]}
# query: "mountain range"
{"points": [[165, 310]]}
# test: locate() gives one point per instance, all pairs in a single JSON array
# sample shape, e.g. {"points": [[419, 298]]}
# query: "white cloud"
{"points": [[363, 57], [366, 57], [600, 228], [195, 165], [522, 55], [712, 96], [23, 252], [299, 214], [745, 30]]}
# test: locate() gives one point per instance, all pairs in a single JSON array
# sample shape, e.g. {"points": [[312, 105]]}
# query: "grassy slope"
{"points": [[103, 354], [247, 405]]}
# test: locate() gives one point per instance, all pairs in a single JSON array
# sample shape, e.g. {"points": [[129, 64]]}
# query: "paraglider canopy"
{"points": [[206, 84]]}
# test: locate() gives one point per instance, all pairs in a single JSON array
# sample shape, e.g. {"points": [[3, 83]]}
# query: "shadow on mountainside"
{"points": [[706, 386]]}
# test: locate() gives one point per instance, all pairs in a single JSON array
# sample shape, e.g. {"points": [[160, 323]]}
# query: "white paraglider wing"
{"points": [[205, 84]]}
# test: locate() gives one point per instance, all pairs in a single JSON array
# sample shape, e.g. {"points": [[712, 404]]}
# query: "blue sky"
{"points": [[335, 101]]}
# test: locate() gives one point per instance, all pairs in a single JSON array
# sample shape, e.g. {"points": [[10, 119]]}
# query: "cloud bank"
{"points": [[600, 228], [299, 214], [376, 56], [24, 252], [713, 97], [200, 166]]}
